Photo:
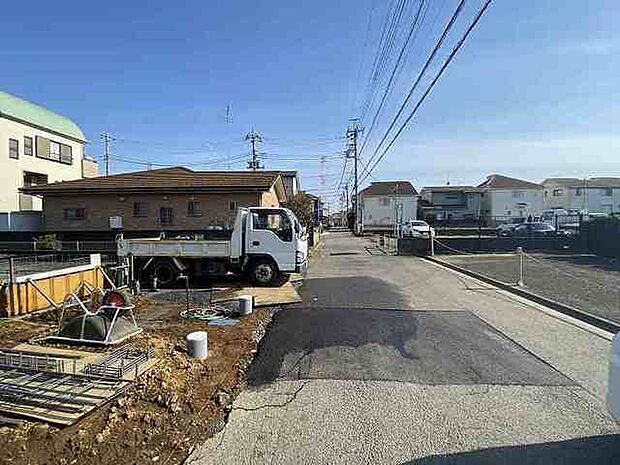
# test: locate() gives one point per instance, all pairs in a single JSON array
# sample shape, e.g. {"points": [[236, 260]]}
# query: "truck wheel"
{"points": [[264, 272], [165, 273]]}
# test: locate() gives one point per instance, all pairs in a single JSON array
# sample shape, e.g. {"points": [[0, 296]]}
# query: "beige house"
{"points": [[37, 146], [169, 199]]}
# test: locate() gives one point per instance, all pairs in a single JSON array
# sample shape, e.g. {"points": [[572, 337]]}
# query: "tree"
{"points": [[303, 206]]}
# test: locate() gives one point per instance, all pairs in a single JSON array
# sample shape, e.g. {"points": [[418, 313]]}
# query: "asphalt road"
{"points": [[424, 347], [396, 360]]}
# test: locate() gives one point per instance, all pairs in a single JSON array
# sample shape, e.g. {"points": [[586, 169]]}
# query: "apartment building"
{"points": [[593, 195], [168, 199], [37, 146]]}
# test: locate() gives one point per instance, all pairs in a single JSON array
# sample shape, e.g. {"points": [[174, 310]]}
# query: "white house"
{"points": [[506, 198], [386, 203], [593, 195], [37, 146]]}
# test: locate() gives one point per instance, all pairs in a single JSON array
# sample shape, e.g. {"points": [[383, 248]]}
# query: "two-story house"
{"points": [[37, 146], [593, 195], [451, 203], [386, 203], [506, 198]]}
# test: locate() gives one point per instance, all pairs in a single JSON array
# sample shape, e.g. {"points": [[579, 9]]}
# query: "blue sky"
{"points": [[532, 94]]}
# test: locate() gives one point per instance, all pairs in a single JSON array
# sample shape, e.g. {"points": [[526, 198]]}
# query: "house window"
{"points": [[518, 194], [165, 215], [28, 146], [557, 192], [578, 191], [140, 209], [54, 151], [13, 148], [607, 192], [194, 208], [232, 205], [34, 179], [71, 214]]}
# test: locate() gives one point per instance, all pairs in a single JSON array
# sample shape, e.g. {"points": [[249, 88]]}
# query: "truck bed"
{"points": [[174, 248]]}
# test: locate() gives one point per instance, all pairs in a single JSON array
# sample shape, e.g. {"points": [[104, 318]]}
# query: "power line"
{"points": [[413, 29], [418, 79], [446, 63], [387, 36]]}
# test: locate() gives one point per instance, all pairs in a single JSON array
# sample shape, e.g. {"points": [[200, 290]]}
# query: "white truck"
{"points": [[266, 243]]}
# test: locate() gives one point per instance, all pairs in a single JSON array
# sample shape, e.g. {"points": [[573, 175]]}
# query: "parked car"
{"points": [[569, 229], [506, 229], [417, 228], [533, 230]]}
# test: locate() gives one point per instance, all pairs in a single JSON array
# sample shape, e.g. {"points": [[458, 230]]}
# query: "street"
{"points": [[397, 360]]}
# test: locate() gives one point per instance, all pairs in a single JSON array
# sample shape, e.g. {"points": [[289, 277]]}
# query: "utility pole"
{"points": [[254, 138], [352, 135], [106, 152], [228, 119]]}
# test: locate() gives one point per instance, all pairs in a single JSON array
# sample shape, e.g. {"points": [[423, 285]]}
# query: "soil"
{"points": [[177, 404]]}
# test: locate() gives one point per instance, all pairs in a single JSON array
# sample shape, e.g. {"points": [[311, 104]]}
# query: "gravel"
{"points": [[586, 282]]}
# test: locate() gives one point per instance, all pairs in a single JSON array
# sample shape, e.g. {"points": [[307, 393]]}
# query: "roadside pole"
{"points": [[432, 239], [520, 281]]}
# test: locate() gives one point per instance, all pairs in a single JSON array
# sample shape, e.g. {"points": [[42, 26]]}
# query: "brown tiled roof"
{"points": [[497, 181], [167, 179], [389, 188]]}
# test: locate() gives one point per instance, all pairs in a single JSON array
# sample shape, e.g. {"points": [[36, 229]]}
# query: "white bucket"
{"points": [[246, 304], [613, 390], [197, 344]]}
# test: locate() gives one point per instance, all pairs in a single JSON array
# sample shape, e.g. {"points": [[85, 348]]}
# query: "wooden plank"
{"points": [[263, 296]]}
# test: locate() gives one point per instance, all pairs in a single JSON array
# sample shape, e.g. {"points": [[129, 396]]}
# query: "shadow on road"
{"points": [[599, 450], [427, 347], [353, 291]]}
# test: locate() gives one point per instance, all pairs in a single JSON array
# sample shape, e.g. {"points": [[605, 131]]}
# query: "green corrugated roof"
{"points": [[18, 108]]}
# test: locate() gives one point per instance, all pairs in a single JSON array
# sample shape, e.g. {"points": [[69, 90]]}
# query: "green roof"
{"points": [[30, 113]]}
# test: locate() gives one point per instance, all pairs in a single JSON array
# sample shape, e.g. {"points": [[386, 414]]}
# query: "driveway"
{"points": [[396, 360]]}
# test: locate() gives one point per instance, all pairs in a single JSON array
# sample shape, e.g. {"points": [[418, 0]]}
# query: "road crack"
{"points": [[283, 404]]}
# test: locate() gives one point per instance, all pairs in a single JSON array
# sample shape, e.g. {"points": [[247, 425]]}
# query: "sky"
{"points": [[532, 93]]}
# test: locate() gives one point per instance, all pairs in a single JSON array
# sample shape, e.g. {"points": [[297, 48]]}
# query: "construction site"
{"points": [[91, 371]]}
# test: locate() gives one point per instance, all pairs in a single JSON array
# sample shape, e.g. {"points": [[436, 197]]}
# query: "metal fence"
{"points": [[37, 263], [57, 246], [489, 225]]}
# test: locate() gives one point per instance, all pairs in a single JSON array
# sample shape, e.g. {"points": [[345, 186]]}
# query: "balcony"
{"points": [[30, 203]]}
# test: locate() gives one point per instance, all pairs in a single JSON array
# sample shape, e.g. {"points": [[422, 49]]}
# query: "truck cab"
{"points": [[266, 244]]}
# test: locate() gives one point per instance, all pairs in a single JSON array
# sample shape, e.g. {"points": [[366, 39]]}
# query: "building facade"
{"points": [[290, 179], [451, 203], [37, 146], [510, 198], [592, 195], [170, 199], [384, 204]]}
